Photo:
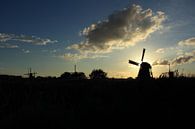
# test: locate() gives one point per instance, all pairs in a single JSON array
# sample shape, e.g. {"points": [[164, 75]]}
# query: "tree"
{"points": [[73, 76], [78, 75], [98, 74], [66, 75]]}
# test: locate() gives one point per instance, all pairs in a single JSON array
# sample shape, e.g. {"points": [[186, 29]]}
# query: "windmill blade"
{"points": [[143, 54], [133, 62]]}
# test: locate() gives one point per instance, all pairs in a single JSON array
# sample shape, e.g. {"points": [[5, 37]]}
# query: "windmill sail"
{"points": [[133, 62], [143, 54]]}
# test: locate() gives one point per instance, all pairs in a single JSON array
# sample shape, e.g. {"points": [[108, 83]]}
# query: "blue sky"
{"points": [[36, 34]]}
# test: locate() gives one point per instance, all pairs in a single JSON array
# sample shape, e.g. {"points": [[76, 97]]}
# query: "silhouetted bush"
{"points": [[98, 74], [75, 75], [66, 75], [78, 75]]}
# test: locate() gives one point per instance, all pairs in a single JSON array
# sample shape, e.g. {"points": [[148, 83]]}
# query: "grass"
{"points": [[112, 103]]}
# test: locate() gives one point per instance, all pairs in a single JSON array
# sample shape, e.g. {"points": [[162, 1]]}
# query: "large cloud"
{"points": [[24, 38], [122, 29]]}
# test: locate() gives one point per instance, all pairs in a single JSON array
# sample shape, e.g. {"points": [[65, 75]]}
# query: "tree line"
{"points": [[95, 74]]}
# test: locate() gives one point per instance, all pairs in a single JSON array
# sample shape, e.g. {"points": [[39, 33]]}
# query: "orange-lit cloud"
{"points": [[185, 58], [187, 42], [161, 62], [160, 50], [121, 29], [182, 56]]}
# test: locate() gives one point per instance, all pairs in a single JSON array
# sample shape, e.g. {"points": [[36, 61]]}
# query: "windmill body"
{"points": [[145, 71]]}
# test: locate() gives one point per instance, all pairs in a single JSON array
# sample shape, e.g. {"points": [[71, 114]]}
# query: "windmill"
{"points": [[170, 73], [30, 74], [145, 71]]}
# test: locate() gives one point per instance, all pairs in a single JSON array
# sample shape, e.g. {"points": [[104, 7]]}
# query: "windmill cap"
{"points": [[146, 65]]}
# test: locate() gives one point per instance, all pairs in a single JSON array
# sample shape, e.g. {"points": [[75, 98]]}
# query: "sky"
{"points": [[51, 36]]}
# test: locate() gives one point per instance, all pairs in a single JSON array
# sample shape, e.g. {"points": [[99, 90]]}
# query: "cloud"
{"points": [[24, 38], [182, 56], [8, 46], [186, 58], [70, 56], [75, 56], [26, 51], [187, 42], [5, 37], [179, 50], [121, 29], [161, 62], [160, 50]]}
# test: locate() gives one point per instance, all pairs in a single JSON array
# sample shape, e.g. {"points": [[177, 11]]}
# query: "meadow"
{"points": [[107, 103]]}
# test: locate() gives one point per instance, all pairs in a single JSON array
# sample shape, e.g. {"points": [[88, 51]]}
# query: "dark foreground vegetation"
{"points": [[109, 103]]}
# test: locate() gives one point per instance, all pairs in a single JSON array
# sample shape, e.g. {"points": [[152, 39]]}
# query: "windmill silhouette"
{"points": [[170, 73], [145, 71], [31, 74]]}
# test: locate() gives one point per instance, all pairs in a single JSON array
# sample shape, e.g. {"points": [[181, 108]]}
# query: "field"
{"points": [[109, 103]]}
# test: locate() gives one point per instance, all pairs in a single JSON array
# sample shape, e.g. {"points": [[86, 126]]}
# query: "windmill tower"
{"points": [[30, 74], [75, 68], [145, 71]]}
